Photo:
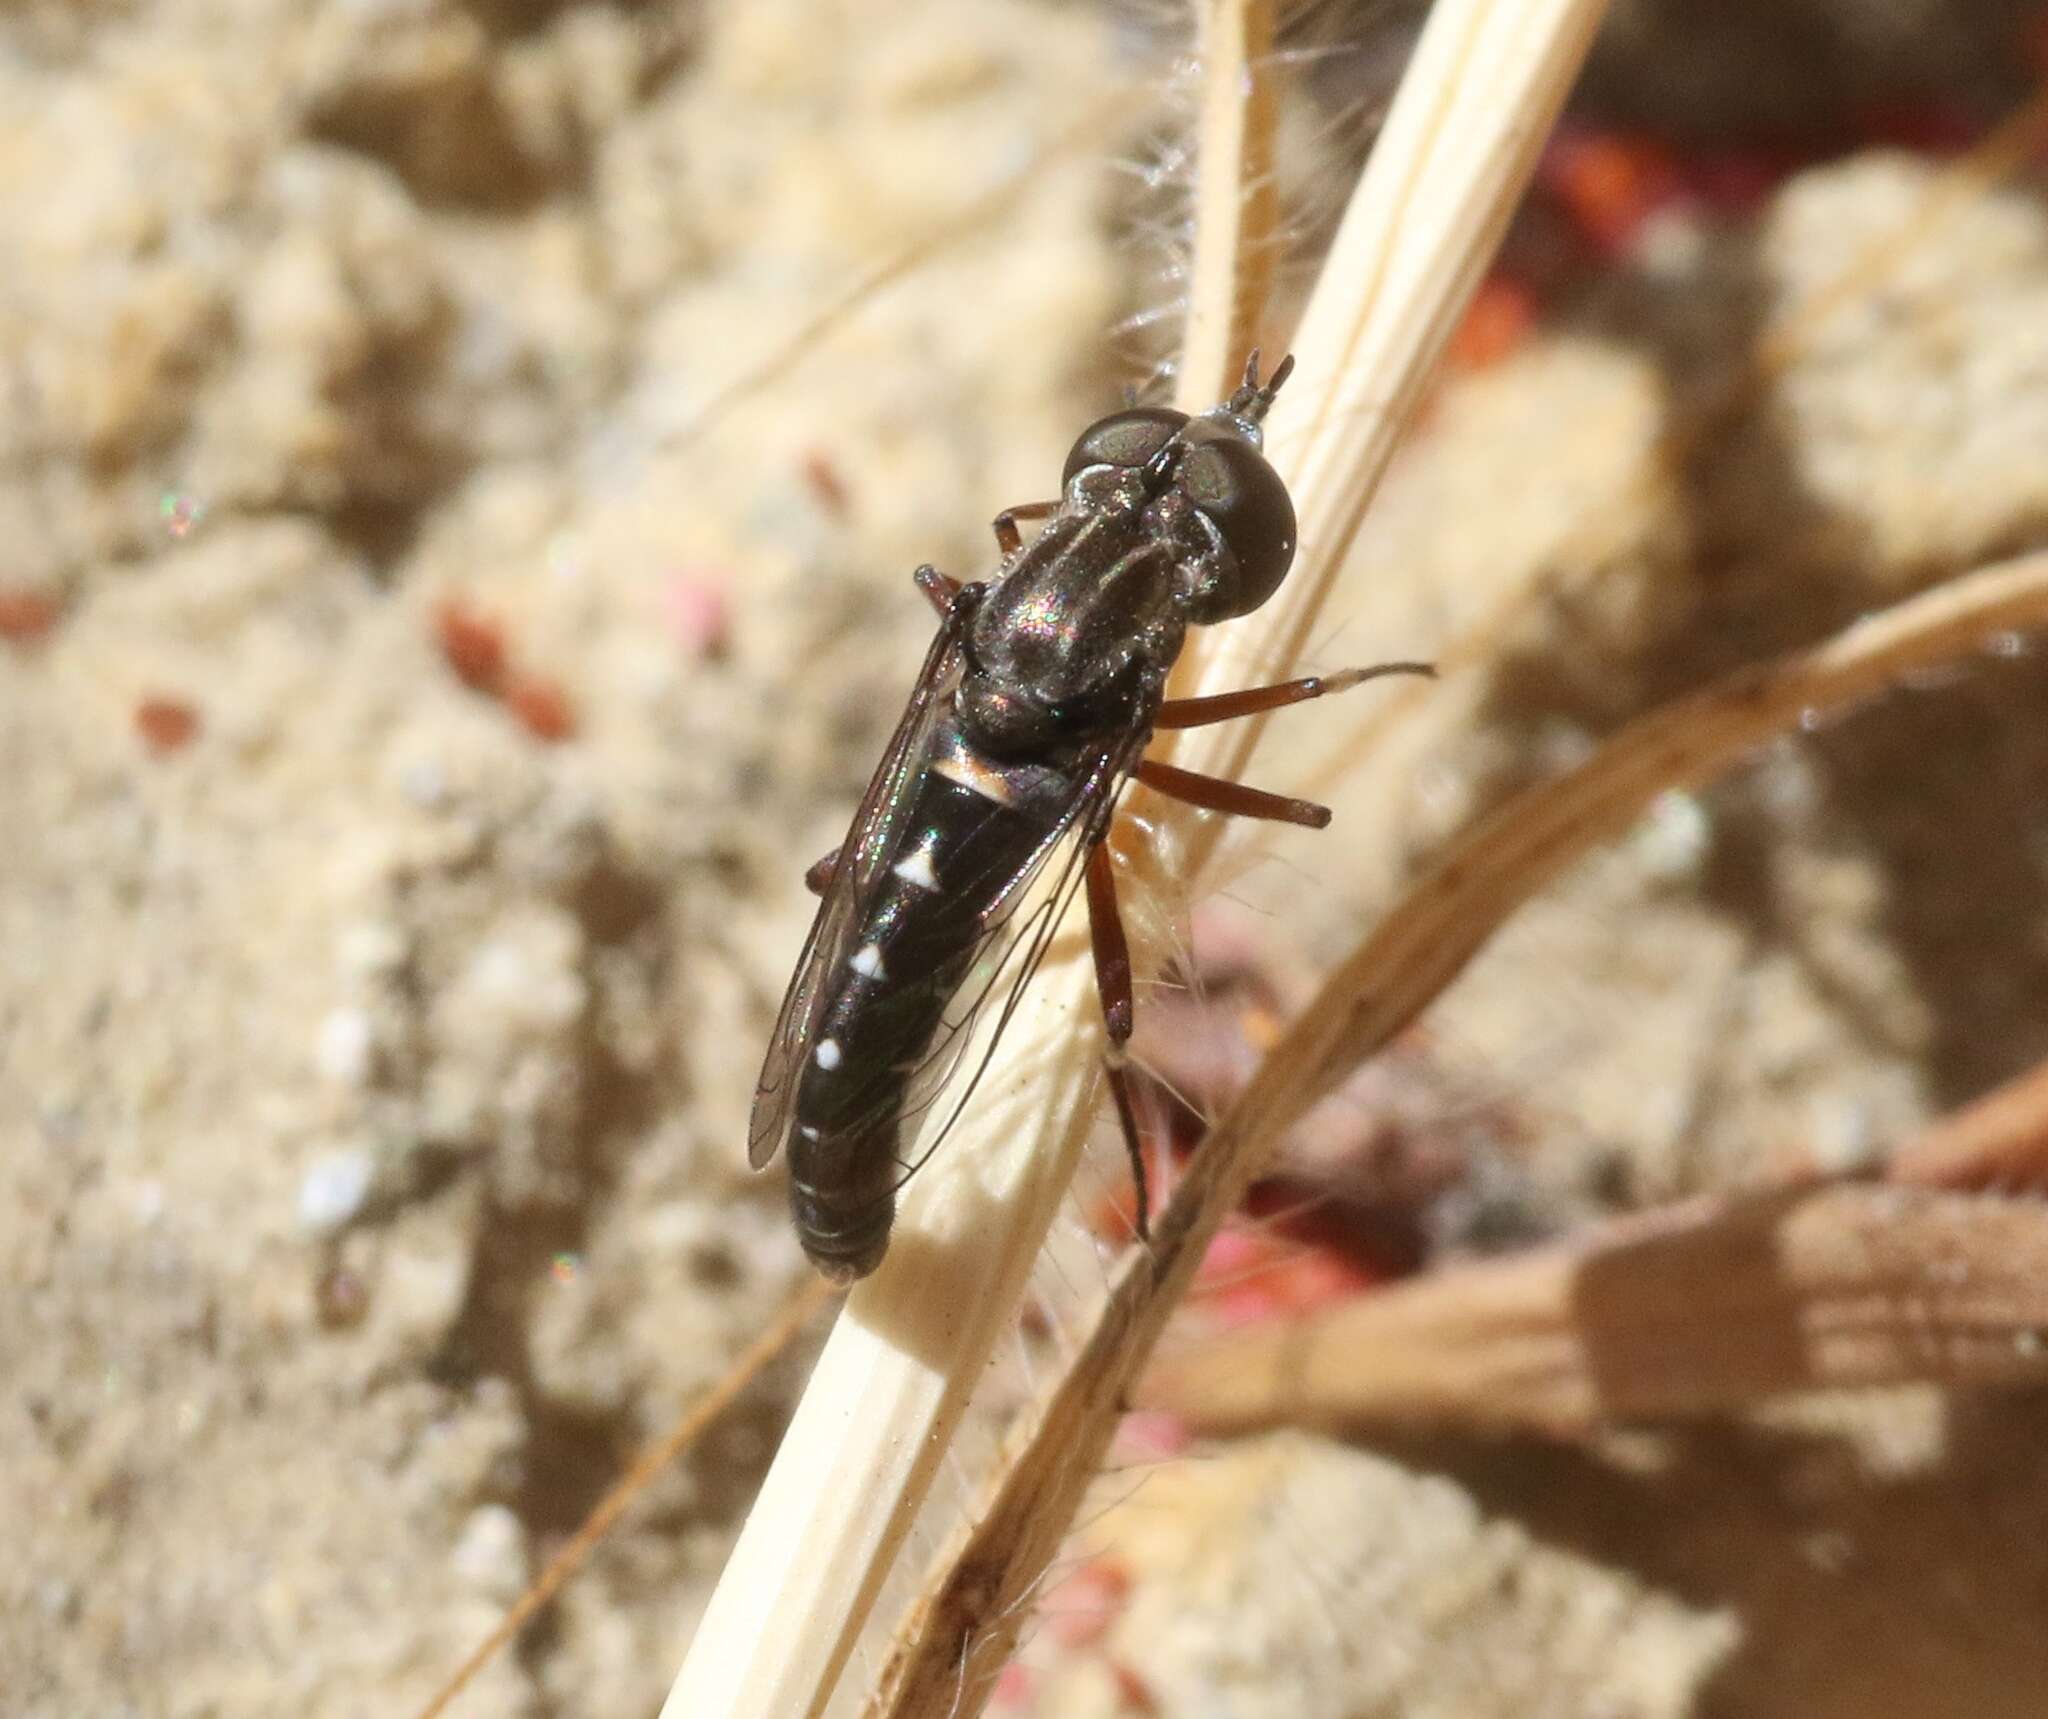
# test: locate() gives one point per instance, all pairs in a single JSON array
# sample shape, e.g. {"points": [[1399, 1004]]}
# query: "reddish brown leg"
{"points": [[1200, 712], [1213, 794], [1008, 538], [939, 591], [819, 878], [1113, 983]]}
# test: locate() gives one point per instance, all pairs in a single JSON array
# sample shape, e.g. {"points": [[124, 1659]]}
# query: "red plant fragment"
{"points": [[542, 708], [1495, 324], [1081, 1609], [26, 615], [698, 615], [1736, 183], [473, 645], [1923, 126], [1149, 1435], [825, 483], [166, 725], [1251, 1275], [1608, 184]]}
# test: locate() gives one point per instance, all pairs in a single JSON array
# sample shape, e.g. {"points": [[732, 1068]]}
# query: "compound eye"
{"points": [[1124, 439], [1230, 481]]}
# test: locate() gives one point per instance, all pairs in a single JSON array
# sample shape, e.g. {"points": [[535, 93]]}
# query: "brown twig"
{"points": [[2000, 1141]]}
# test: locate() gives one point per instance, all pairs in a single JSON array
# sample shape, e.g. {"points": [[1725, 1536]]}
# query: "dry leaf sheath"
{"points": [[1707, 1308]]}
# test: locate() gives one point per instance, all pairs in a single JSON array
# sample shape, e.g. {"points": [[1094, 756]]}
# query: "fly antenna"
{"points": [[1253, 399]]}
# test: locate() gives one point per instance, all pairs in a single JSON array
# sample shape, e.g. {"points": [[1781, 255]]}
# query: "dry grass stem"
{"points": [[1416, 951], [1707, 1308], [655, 1460], [1236, 207], [1998, 1142]]}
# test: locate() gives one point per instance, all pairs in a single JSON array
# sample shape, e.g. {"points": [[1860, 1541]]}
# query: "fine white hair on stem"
{"points": [[894, 1381]]}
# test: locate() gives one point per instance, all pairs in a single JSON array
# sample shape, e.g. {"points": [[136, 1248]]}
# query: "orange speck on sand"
{"points": [[698, 614], [166, 725], [1608, 184], [1497, 321], [542, 708], [473, 645], [26, 615], [1133, 1693], [826, 484]]}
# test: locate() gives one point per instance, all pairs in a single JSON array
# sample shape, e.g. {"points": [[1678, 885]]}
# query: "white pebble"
{"points": [[490, 1552], [346, 1046], [334, 1188], [371, 948], [424, 783]]}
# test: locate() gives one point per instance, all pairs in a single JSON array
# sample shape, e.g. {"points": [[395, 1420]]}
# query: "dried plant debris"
{"points": [[1710, 1308]]}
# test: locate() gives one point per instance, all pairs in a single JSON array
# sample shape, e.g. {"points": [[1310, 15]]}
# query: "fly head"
{"points": [[1205, 486]]}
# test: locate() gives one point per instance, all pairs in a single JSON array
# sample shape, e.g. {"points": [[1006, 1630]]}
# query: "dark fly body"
{"points": [[1035, 704]]}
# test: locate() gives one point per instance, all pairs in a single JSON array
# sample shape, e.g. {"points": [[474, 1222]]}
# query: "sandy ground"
{"points": [[375, 1047]]}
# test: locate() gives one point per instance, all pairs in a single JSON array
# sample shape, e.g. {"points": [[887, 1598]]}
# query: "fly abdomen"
{"points": [[972, 829]]}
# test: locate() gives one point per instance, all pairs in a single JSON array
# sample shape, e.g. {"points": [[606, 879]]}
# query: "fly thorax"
{"points": [[1064, 646]]}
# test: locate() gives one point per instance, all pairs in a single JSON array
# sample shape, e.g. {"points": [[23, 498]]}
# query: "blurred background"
{"points": [[460, 467]]}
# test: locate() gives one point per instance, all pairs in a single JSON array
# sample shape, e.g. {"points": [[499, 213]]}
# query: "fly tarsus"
{"points": [[1227, 706], [941, 591], [1008, 538], [1213, 794]]}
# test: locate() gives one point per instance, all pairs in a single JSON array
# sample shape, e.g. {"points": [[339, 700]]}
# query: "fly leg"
{"points": [[819, 878], [1200, 712], [1008, 538], [1213, 794], [939, 591], [1113, 983]]}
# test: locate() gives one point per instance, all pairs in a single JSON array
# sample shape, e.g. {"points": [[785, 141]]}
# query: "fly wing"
{"points": [[861, 857], [1013, 948]]}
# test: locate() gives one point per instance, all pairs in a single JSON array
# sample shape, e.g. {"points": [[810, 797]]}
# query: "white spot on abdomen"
{"points": [[917, 870], [867, 961], [971, 773], [826, 1056]]}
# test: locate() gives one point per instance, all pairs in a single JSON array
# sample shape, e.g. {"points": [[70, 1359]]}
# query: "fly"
{"points": [[1035, 705]]}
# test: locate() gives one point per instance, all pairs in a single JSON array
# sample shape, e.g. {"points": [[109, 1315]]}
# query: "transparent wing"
{"points": [[1013, 948], [861, 857]]}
